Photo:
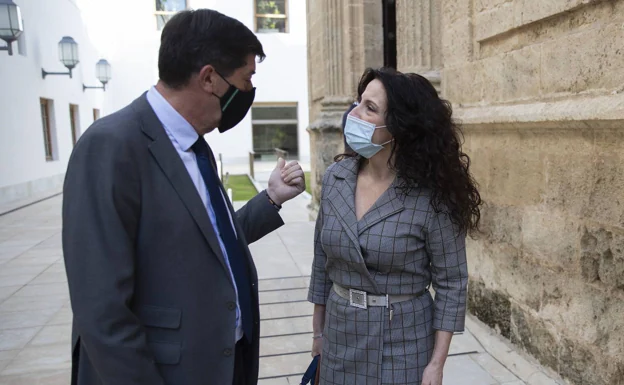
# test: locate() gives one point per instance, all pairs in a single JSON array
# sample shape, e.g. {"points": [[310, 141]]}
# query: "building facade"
{"points": [[538, 88], [40, 118]]}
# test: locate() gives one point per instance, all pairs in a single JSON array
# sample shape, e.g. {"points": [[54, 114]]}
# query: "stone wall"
{"points": [[344, 37], [539, 89], [538, 86]]}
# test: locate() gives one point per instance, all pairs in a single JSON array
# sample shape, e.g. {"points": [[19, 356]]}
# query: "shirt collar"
{"points": [[174, 123]]}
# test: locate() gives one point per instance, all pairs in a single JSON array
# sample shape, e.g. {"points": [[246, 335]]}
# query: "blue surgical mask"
{"points": [[359, 135]]}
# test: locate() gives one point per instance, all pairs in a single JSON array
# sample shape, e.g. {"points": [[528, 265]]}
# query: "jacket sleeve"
{"points": [[258, 218], [446, 247], [101, 203], [320, 284]]}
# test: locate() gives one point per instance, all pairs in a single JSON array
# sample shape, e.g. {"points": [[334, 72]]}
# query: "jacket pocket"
{"points": [[165, 353], [160, 317]]}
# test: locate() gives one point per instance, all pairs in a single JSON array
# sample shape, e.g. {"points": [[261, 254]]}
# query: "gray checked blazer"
{"points": [[400, 246]]}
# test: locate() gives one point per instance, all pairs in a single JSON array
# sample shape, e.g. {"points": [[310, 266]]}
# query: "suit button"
{"points": [[227, 352], [231, 306]]}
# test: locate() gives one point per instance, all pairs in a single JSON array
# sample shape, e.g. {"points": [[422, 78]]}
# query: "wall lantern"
{"points": [[68, 55], [103, 74], [11, 26]]}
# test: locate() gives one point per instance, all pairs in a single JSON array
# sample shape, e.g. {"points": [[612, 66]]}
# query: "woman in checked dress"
{"points": [[393, 220]]}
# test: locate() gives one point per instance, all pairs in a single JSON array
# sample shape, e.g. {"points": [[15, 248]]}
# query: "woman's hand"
{"points": [[433, 374], [317, 346], [318, 324]]}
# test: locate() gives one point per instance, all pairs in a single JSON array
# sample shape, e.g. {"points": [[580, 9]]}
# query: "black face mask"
{"points": [[234, 105]]}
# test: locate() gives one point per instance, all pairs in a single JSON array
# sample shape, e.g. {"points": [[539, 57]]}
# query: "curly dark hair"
{"points": [[426, 150]]}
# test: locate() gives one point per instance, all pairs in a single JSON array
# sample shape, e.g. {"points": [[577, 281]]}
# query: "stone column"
{"points": [[419, 38], [344, 37]]}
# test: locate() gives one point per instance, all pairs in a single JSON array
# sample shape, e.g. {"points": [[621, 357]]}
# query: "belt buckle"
{"points": [[357, 298]]}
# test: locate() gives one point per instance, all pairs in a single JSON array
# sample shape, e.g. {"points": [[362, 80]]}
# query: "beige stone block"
{"points": [[521, 77], [517, 173], [552, 238], [494, 21], [606, 202], [532, 11], [486, 5], [538, 338], [584, 61], [570, 180], [463, 84], [493, 79], [503, 225], [452, 10], [457, 44], [602, 255]]}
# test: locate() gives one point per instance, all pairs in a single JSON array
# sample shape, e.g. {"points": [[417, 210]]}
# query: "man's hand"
{"points": [[286, 181]]}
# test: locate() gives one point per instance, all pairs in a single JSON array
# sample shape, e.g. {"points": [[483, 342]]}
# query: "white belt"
{"points": [[363, 300]]}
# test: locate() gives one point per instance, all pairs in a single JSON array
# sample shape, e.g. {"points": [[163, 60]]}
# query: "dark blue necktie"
{"points": [[233, 248]]}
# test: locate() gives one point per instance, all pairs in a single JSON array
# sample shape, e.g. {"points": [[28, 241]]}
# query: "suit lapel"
{"points": [[388, 204], [342, 200], [172, 166]]}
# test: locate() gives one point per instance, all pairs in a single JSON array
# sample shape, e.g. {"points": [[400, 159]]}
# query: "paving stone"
{"points": [[495, 368], [284, 296], [12, 339], [26, 318], [53, 335], [469, 371], [285, 310], [284, 283], [40, 359], [37, 302], [285, 345], [7, 291], [32, 290], [464, 343], [52, 377], [286, 326], [291, 365]]}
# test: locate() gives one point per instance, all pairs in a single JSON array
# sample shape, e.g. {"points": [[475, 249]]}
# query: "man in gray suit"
{"points": [[163, 287]]}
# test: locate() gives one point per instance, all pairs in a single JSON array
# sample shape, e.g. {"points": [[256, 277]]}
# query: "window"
{"points": [[165, 9], [47, 121], [96, 114], [271, 16], [275, 127], [74, 120]]}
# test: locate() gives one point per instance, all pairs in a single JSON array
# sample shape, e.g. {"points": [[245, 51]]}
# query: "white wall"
{"points": [[124, 32], [23, 166], [281, 77]]}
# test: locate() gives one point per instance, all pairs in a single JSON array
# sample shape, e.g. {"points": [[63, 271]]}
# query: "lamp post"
{"points": [[11, 26], [68, 55], [103, 74]]}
